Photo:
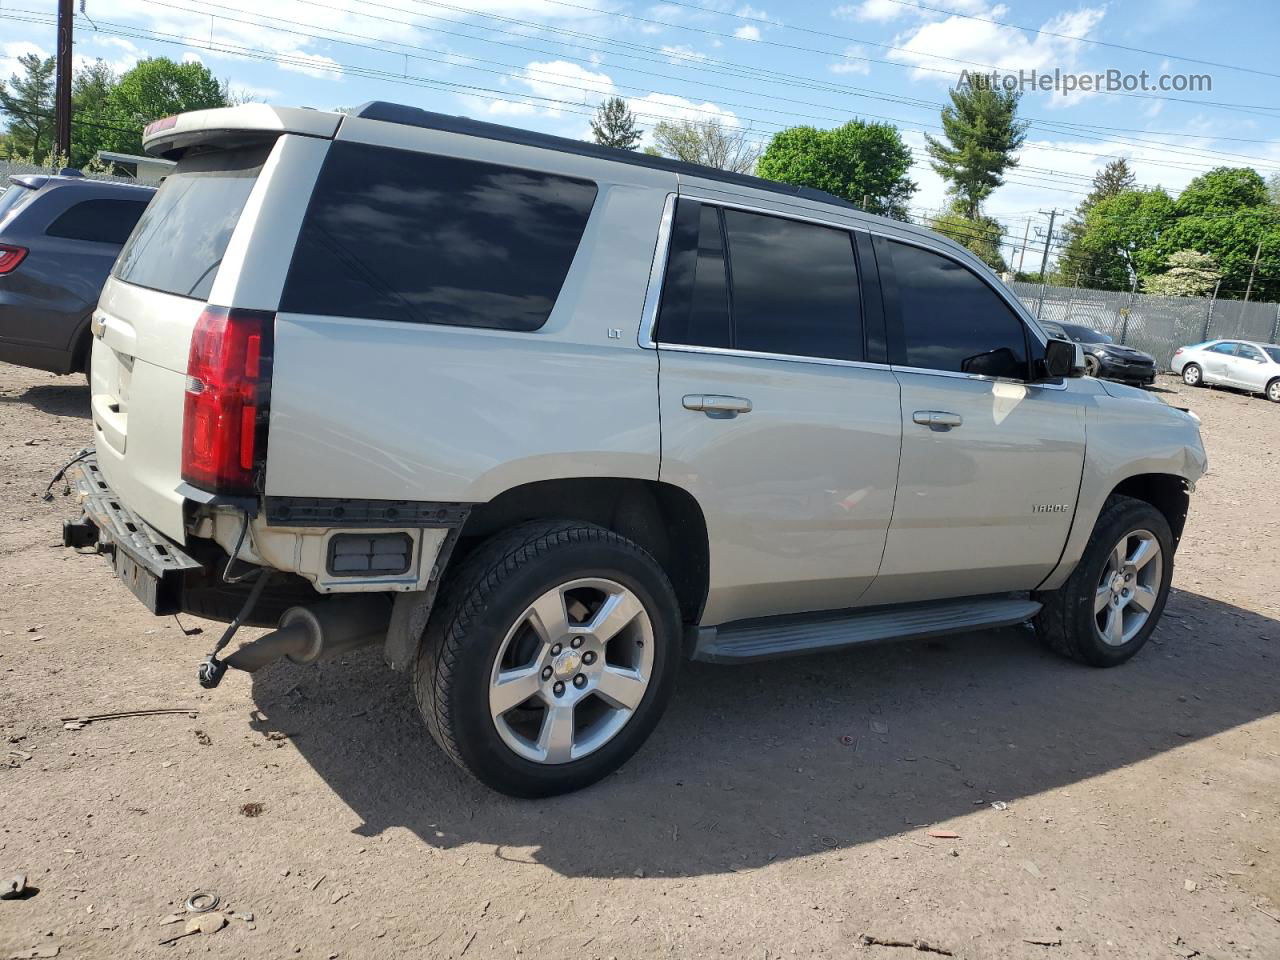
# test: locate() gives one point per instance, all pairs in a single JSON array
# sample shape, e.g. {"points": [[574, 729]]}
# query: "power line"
{"points": [[1179, 165], [1065, 36]]}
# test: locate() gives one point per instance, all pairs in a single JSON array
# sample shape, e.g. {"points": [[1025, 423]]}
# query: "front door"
{"points": [[1249, 368], [771, 417], [991, 463]]}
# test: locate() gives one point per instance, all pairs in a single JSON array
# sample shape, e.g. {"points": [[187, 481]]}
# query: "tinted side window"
{"points": [[401, 235], [695, 293], [795, 287], [1226, 348], [950, 319], [1248, 352], [102, 221]]}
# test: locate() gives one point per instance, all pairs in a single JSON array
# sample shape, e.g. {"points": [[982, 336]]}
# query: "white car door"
{"points": [[771, 417], [1217, 360], [991, 462]]}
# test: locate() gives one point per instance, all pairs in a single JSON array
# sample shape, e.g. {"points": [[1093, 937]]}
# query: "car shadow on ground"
{"points": [[776, 760], [69, 397]]}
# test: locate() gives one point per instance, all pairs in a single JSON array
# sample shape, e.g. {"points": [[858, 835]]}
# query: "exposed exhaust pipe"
{"points": [[323, 630]]}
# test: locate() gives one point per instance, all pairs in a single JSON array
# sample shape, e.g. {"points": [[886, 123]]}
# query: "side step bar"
{"points": [[763, 639]]}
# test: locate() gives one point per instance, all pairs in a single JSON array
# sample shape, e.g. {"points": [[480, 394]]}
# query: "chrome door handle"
{"points": [[714, 405], [937, 419]]}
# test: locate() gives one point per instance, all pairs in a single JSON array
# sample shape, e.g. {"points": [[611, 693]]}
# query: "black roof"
{"points": [[417, 117]]}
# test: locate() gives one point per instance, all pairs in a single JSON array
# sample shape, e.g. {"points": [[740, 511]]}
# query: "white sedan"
{"points": [[1244, 364]]}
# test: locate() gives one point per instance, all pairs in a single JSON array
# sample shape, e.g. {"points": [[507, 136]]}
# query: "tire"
{"points": [[1074, 618], [1092, 366], [1192, 375], [1273, 390], [485, 625]]}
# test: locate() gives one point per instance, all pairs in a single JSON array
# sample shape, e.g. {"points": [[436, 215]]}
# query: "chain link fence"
{"points": [[1157, 325], [13, 168]]}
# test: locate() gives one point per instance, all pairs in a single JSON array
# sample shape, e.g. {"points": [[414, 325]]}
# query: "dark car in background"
{"points": [[59, 236], [1103, 357]]}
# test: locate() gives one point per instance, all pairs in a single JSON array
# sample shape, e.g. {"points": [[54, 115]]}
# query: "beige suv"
{"points": [[543, 418]]}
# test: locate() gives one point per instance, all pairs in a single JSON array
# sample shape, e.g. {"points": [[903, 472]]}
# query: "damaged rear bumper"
{"points": [[146, 561]]}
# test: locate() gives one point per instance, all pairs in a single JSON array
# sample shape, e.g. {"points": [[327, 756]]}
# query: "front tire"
{"points": [[549, 657], [1273, 390], [1092, 366], [1112, 601], [1192, 375]]}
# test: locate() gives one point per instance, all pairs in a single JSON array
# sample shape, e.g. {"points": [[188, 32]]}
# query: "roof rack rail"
{"points": [[417, 117]]}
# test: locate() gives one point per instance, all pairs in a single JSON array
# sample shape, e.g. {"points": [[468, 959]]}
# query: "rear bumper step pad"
{"points": [[150, 564]]}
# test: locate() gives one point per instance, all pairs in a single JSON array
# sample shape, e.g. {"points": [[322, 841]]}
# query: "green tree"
{"points": [[1227, 214], [155, 88], [27, 103], [614, 125], [980, 235], [90, 90], [1273, 189], [982, 134], [1121, 235], [1076, 261], [707, 142], [1188, 274], [859, 161]]}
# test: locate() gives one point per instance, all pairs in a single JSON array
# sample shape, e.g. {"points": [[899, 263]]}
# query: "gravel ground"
{"points": [[1129, 813]]}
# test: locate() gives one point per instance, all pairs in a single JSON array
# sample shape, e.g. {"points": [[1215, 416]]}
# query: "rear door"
{"points": [[774, 416], [991, 463], [220, 230]]}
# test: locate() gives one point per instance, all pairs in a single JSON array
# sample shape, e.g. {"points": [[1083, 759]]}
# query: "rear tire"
{"points": [[1192, 375], [1113, 600], [569, 613]]}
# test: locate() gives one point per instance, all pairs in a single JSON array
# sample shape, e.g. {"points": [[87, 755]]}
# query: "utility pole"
{"points": [[1252, 270], [62, 92], [1026, 231], [1208, 314], [1044, 260]]}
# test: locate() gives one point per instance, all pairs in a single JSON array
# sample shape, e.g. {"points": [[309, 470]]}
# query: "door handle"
{"points": [[714, 405], [937, 419]]}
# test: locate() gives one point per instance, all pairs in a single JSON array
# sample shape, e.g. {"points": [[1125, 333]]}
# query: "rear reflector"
{"points": [[10, 257], [224, 421]]}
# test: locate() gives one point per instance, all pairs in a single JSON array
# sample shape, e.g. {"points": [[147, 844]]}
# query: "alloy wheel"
{"points": [[572, 671], [1191, 375], [1128, 588]]}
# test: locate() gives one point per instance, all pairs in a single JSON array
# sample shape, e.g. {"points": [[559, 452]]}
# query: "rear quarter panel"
{"points": [[388, 410]]}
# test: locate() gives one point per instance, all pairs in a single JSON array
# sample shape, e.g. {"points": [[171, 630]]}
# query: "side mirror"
{"points": [[1062, 359]]}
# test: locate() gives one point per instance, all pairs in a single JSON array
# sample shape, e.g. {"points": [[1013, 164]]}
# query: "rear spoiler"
{"points": [[169, 137]]}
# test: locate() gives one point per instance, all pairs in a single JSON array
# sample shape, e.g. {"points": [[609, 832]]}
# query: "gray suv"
{"points": [[59, 236]]}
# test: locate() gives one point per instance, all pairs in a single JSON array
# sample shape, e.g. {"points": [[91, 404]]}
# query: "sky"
{"points": [[759, 66]]}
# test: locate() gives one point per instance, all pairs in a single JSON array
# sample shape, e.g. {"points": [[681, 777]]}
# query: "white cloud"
{"points": [[310, 64], [10, 52], [683, 54], [192, 57], [747, 32], [882, 11], [937, 45], [852, 62]]}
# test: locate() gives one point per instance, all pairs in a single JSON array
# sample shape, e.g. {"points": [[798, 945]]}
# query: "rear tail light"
{"points": [[1178, 351], [10, 257], [224, 418]]}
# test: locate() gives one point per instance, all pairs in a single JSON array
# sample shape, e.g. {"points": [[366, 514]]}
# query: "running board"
{"points": [[763, 639]]}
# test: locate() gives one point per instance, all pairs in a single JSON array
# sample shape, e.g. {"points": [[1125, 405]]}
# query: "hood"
{"points": [[1119, 350]]}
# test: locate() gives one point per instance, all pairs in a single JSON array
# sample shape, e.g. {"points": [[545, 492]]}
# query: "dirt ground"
{"points": [[1128, 813]]}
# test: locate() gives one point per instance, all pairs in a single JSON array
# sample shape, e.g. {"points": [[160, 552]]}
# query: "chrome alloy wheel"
{"points": [[1191, 375], [1128, 588], [572, 671]]}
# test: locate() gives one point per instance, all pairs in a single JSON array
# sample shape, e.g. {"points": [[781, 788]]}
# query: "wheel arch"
{"points": [[1168, 493], [663, 519]]}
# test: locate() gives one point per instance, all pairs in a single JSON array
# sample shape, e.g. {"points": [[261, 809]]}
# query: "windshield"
{"points": [[1085, 334], [1273, 353], [180, 240]]}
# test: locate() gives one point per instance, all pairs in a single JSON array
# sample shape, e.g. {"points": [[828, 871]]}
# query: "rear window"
{"points": [[181, 238], [13, 197], [99, 221], [399, 235]]}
